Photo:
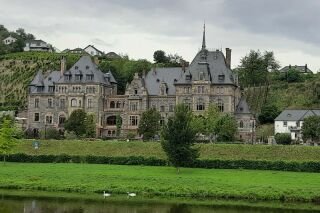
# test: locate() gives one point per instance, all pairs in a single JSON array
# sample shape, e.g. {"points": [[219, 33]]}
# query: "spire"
{"points": [[204, 37]]}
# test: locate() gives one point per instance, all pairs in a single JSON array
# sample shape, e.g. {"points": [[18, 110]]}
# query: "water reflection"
{"points": [[27, 205]]}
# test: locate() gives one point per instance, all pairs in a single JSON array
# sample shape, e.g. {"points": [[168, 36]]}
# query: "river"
{"points": [[9, 204]]}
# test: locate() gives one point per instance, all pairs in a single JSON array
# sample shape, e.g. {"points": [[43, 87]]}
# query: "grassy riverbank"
{"points": [[162, 181], [153, 149]]}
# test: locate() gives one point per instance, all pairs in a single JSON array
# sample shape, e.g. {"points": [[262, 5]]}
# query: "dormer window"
{"points": [[51, 88], [87, 67], [158, 80], [201, 76], [221, 78], [78, 77], [188, 77], [89, 77], [49, 79], [76, 67], [135, 91]]}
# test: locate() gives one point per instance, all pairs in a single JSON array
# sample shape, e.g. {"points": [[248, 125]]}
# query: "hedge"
{"points": [[308, 166]]}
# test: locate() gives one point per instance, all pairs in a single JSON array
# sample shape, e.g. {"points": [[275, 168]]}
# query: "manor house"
{"points": [[207, 80]]}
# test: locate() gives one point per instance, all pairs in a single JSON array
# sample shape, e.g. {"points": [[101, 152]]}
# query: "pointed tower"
{"points": [[204, 37]]}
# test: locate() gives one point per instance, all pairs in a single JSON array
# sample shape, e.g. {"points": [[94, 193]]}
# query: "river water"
{"points": [[58, 205]]}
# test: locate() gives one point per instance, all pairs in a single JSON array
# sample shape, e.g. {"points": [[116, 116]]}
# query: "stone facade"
{"points": [[208, 80]]}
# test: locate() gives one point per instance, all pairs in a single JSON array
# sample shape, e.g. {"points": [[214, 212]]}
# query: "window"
{"points": [[118, 104], [111, 120], [89, 77], [298, 124], [49, 119], [36, 103], [36, 117], [79, 103], [201, 76], [62, 103], [133, 106], [221, 78], [39, 88], [50, 103], [76, 67], [62, 120], [187, 102], [162, 108], [162, 90], [285, 124], [135, 91], [112, 104], [67, 77], [51, 88], [87, 67], [171, 108], [241, 124], [73, 102], [134, 120], [89, 103], [200, 89], [200, 105], [162, 121], [78, 77], [220, 105]]}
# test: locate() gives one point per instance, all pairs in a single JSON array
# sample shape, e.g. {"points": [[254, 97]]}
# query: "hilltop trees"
{"points": [[311, 128], [253, 69], [171, 60], [178, 138]]}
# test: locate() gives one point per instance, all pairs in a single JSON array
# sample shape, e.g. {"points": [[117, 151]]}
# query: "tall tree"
{"points": [[178, 138], [149, 124], [90, 125], [268, 113], [7, 140], [311, 128], [226, 128], [160, 56], [76, 122], [254, 67]]}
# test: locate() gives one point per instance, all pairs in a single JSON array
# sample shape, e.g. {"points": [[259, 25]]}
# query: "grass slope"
{"points": [[161, 181], [153, 149]]}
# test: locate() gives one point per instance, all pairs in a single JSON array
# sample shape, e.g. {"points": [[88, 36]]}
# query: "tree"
{"points": [[212, 115], [7, 140], [283, 138], [254, 67], [226, 128], [149, 124], [90, 126], [178, 138], [311, 128], [159, 56], [118, 124], [292, 75], [268, 113], [76, 122]]}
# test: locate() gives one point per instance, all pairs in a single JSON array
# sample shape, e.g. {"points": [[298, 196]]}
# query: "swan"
{"points": [[106, 194], [131, 194]]}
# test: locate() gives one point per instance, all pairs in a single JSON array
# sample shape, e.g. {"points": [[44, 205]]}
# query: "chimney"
{"points": [[96, 60], [228, 57], [306, 68], [183, 66], [289, 66], [63, 65]]}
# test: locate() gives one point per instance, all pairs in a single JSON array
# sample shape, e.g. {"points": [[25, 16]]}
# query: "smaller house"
{"points": [[291, 121], [302, 69], [77, 50], [91, 50], [112, 55], [37, 45], [9, 40]]}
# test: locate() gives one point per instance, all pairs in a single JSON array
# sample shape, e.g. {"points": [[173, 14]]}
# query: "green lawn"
{"points": [[153, 149], [161, 181]]}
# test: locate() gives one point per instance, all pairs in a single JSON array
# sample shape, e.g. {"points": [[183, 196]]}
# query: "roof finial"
{"points": [[204, 36]]}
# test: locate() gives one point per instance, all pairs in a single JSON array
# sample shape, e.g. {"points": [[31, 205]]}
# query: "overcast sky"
{"points": [[290, 28]]}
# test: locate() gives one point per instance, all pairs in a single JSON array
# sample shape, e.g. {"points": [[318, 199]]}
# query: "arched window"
{"points": [[241, 124], [118, 104], [200, 105], [73, 102], [112, 104], [220, 105], [187, 102], [62, 120], [111, 120]]}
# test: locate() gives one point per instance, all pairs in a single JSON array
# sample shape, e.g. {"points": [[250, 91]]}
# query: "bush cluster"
{"points": [[308, 166]]}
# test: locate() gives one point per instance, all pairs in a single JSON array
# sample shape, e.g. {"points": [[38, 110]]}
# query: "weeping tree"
{"points": [[178, 137]]}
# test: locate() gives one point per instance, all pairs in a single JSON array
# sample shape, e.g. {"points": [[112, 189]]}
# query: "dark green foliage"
{"points": [[292, 75], [226, 128], [297, 166], [172, 60], [159, 56], [253, 69], [118, 124], [7, 139], [76, 122], [178, 138], [149, 124], [90, 126], [50, 133], [311, 128], [268, 113], [283, 138]]}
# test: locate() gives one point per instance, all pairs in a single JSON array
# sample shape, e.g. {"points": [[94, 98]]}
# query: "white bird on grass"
{"points": [[131, 194], [106, 194]]}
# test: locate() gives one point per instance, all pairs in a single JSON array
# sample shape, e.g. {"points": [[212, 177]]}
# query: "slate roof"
{"points": [[213, 66], [302, 69], [154, 78], [38, 79], [50, 80], [296, 115], [243, 107], [86, 66]]}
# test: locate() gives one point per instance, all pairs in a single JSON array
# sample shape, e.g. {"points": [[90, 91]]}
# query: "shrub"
{"points": [[50, 133], [283, 138]]}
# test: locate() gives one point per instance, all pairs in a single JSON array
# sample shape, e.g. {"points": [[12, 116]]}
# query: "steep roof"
{"points": [[50, 80], [243, 107], [212, 65], [38, 79], [166, 75], [93, 48], [86, 66], [296, 115]]}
